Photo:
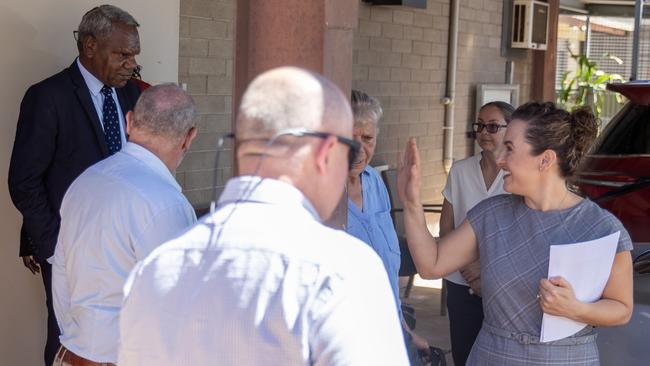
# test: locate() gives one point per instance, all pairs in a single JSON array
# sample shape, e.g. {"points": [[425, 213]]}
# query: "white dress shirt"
{"points": [[95, 87], [112, 215], [464, 189], [261, 282]]}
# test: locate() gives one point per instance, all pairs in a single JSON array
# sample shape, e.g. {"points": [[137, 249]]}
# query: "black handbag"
{"points": [[436, 357]]}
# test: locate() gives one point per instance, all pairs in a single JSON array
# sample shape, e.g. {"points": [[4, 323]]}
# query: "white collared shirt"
{"points": [[114, 214], [261, 282], [464, 189], [95, 87]]}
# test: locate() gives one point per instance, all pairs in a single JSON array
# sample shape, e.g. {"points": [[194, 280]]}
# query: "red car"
{"points": [[616, 175], [617, 172]]}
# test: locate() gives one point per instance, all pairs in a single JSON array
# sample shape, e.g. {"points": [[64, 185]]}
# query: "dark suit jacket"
{"points": [[58, 136]]}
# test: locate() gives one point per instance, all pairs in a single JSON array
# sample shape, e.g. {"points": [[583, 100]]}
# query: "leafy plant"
{"points": [[587, 85]]}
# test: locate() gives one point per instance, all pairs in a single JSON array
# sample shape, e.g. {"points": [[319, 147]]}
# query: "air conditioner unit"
{"points": [[529, 24]]}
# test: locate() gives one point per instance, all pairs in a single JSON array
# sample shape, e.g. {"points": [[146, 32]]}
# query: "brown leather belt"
{"points": [[76, 360]]}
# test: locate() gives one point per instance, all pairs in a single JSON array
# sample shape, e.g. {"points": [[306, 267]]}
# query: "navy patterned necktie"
{"points": [[111, 122]]}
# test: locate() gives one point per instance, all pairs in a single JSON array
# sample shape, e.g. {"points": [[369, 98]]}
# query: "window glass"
{"points": [[629, 134]]}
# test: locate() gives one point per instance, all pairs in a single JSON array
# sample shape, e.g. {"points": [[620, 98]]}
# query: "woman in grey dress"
{"points": [[512, 233]]}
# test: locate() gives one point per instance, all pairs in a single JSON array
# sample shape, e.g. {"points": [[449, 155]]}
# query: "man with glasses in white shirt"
{"points": [[261, 280], [114, 215]]}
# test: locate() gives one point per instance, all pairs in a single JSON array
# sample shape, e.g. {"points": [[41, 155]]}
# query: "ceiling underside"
{"points": [[618, 8]]}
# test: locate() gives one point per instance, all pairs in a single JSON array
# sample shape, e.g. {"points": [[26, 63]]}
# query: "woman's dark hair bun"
{"points": [[584, 130], [569, 134]]}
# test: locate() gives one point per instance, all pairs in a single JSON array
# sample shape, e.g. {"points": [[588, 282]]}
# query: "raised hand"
{"points": [[408, 175]]}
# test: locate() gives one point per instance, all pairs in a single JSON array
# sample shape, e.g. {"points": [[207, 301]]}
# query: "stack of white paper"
{"points": [[586, 266]]}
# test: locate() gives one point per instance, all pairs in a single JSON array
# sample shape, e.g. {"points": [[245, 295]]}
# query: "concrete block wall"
{"points": [[205, 66], [400, 56]]}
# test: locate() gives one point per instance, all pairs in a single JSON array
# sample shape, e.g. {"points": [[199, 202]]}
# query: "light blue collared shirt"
{"points": [[114, 214], [260, 281], [374, 225], [95, 87]]}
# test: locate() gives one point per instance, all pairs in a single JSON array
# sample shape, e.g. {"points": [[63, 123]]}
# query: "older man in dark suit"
{"points": [[68, 122]]}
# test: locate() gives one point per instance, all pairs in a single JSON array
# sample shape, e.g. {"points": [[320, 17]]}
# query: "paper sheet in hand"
{"points": [[586, 266]]}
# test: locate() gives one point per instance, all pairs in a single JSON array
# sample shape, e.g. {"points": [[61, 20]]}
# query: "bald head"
{"points": [[289, 97], [292, 98]]}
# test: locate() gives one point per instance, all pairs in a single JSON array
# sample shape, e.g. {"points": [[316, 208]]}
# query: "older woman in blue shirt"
{"points": [[369, 206]]}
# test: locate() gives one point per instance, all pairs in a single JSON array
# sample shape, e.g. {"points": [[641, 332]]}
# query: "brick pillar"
{"points": [[544, 62], [315, 34]]}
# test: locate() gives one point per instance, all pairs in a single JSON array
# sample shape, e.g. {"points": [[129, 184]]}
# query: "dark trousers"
{"points": [[52, 344], [465, 319]]}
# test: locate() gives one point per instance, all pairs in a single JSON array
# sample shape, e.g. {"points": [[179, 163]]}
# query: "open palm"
{"points": [[408, 175]]}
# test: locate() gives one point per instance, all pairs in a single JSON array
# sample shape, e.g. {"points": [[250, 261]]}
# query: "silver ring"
{"points": [[539, 296]]}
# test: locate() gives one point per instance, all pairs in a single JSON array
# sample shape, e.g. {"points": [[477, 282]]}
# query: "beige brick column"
{"points": [[204, 66], [314, 34]]}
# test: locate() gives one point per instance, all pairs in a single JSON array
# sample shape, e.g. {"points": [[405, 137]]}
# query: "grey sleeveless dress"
{"points": [[514, 245]]}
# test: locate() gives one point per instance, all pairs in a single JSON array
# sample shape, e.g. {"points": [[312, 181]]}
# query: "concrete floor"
{"points": [[425, 299]]}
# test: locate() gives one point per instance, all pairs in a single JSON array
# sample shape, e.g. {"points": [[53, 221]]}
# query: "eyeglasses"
{"points": [[353, 145], [77, 35], [490, 127]]}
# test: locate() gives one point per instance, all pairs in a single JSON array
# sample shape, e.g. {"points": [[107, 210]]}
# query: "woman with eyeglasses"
{"points": [[469, 182], [512, 235]]}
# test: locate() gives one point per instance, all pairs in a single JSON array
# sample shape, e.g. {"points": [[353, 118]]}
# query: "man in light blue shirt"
{"points": [[372, 224], [113, 215], [261, 281], [369, 216]]}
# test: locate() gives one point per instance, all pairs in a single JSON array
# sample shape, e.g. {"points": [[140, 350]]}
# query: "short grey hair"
{"points": [[365, 108], [98, 22], [165, 110]]}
